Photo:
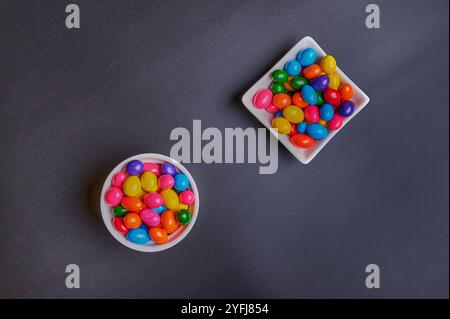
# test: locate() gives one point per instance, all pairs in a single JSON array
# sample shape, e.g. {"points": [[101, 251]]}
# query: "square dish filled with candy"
{"points": [[149, 202], [306, 98]]}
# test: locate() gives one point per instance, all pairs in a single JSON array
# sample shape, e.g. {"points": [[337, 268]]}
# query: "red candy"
{"points": [[332, 97], [120, 226], [302, 140]]}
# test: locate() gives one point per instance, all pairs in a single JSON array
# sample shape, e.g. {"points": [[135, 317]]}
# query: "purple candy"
{"points": [[134, 167], [168, 168], [320, 83], [347, 108]]}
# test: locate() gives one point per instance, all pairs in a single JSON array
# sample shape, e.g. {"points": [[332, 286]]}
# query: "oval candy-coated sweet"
{"points": [[281, 100], [283, 125], [336, 122], [120, 226], [307, 56], [158, 235], [277, 88], [280, 76], [134, 167], [297, 100], [152, 168], [312, 114], [297, 82], [302, 140], [346, 91], [332, 97], [181, 207], [181, 182], [317, 131], [326, 112], [168, 168], [150, 217], [328, 64], [320, 83], [288, 86], [320, 99], [160, 209], [166, 181], [301, 127], [170, 198], [119, 211], [132, 204], [309, 95], [169, 222], [272, 108], [335, 81], [113, 196], [138, 236], [293, 129], [132, 186], [347, 108], [279, 113], [132, 221], [262, 98], [293, 68], [153, 200], [118, 179], [187, 197], [312, 72], [184, 217], [293, 114], [149, 182]]}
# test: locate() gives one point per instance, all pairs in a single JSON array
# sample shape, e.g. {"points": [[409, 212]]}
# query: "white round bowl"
{"points": [[174, 238]]}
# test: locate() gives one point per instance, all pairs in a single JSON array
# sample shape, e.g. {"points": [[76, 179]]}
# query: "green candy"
{"points": [[280, 76], [320, 100], [119, 211], [297, 82], [184, 217], [277, 88]]}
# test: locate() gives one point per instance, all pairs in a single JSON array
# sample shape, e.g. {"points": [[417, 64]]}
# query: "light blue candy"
{"points": [[317, 131], [301, 127], [160, 209], [138, 236], [326, 112], [307, 57], [293, 68], [181, 182], [309, 95]]}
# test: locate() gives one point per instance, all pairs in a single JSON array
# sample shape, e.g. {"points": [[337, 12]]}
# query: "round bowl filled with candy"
{"points": [[149, 202]]}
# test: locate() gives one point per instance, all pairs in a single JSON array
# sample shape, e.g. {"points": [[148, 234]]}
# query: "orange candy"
{"points": [[297, 100], [312, 71], [281, 100], [132, 220], [346, 92], [133, 204], [158, 235], [302, 140], [169, 222]]}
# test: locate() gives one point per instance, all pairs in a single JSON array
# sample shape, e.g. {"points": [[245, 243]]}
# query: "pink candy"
{"points": [[263, 98], [312, 114], [153, 200], [166, 181], [113, 196], [187, 197], [118, 179], [150, 217], [336, 122], [152, 168]]}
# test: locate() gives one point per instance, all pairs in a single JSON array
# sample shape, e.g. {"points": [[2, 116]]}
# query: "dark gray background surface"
{"points": [[74, 103]]}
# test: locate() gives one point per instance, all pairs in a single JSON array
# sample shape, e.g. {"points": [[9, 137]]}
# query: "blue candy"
{"points": [[134, 167], [326, 112], [138, 236], [309, 95], [317, 131], [320, 83], [347, 108], [181, 182], [293, 68], [160, 209], [301, 127], [168, 168], [307, 57], [278, 114]]}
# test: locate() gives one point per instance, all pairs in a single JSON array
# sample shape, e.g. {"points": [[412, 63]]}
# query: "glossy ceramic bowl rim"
{"points": [[107, 214]]}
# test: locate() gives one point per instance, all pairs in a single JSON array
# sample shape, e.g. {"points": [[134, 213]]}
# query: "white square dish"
{"points": [[303, 155]]}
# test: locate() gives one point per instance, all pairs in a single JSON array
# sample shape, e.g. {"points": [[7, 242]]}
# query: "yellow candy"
{"points": [[149, 182], [293, 114], [283, 125], [132, 186], [181, 207], [170, 198], [328, 64], [335, 82], [323, 123]]}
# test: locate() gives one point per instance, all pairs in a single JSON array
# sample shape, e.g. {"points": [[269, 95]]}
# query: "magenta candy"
{"points": [[153, 200], [187, 197], [150, 217], [336, 122], [262, 98], [113, 196], [152, 168], [118, 179], [165, 181], [312, 113]]}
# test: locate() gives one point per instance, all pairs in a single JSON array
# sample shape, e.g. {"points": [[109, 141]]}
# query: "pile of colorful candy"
{"points": [[149, 201], [307, 99]]}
